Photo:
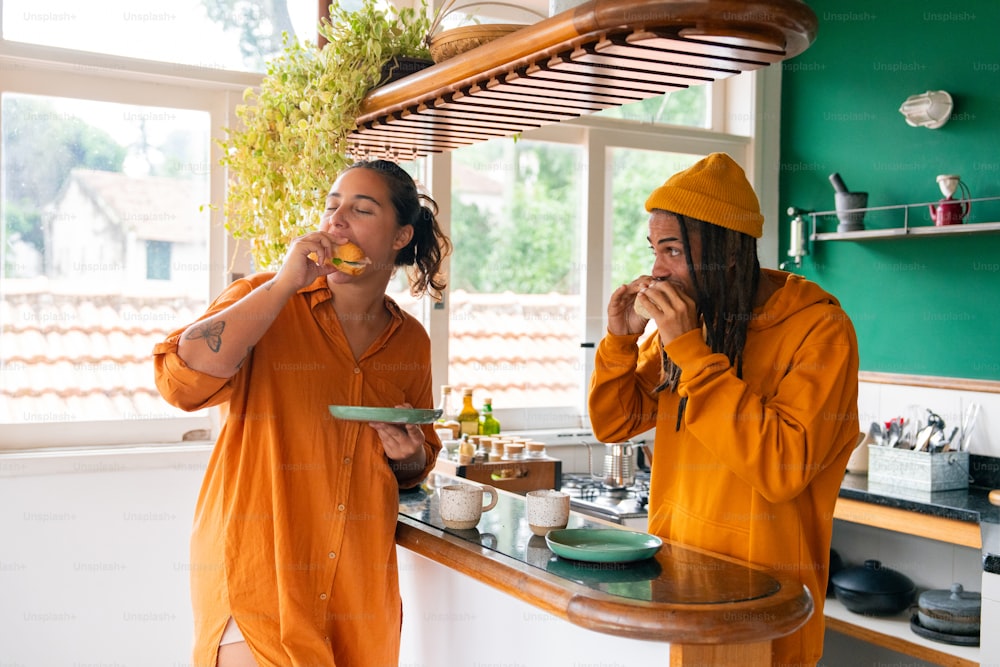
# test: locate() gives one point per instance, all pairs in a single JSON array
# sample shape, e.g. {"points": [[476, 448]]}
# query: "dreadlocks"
{"points": [[725, 279]]}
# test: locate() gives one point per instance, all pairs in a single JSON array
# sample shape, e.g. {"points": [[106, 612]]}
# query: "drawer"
{"points": [[516, 476]]}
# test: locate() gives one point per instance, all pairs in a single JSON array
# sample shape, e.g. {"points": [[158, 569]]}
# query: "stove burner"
{"points": [[587, 492]]}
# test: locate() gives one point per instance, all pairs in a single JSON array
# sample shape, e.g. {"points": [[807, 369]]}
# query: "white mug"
{"points": [[546, 510], [462, 504]]}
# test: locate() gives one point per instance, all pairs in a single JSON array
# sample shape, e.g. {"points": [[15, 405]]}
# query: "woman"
{"points": [[293, 553]]}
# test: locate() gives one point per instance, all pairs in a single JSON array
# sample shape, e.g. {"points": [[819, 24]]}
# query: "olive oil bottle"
{"points": [[468, 417]]}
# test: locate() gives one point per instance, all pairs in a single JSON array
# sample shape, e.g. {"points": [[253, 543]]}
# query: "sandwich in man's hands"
{"points": [[641, 310], [348, 258]]}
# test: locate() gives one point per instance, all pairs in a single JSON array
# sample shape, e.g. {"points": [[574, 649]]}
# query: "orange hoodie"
{"points": [[755, 467]]}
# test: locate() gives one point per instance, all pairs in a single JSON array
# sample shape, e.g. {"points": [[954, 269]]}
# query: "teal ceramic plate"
{"points": [[391, 415], [602, 545]]}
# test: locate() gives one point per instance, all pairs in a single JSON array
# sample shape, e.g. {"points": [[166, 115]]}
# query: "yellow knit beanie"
{"points": [[714, 190]]}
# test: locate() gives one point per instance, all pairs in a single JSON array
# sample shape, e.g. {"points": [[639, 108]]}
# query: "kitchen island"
{"points": [[496, 595]]}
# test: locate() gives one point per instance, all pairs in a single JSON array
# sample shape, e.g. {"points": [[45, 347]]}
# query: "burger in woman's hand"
{"points": [[347, 258]]}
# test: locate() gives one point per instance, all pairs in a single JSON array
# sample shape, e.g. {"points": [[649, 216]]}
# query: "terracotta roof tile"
{"points": [[68, 356]]}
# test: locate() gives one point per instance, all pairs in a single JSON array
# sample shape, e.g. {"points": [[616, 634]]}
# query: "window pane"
{"points": [[229, 35], [636, 173], [515, 307], [688, 106], [104, 251], [399, 286]]}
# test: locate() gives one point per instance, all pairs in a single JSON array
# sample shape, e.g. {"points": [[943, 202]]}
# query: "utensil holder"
{"points": [[922, 471]]}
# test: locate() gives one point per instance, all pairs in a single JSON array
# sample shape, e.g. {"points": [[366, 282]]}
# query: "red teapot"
{"points": [[950, 211]]}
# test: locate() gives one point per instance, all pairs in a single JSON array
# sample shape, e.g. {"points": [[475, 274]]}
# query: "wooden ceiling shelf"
{"points": [[600, 54]]}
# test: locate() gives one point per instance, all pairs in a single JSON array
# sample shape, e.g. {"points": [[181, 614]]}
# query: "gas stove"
{"points": [[625, 506]]}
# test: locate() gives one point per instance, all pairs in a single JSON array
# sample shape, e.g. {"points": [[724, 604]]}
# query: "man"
{"points": [[751, 381]]}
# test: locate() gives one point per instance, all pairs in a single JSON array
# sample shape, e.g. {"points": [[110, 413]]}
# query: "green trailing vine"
{"points": [[292, 139]]}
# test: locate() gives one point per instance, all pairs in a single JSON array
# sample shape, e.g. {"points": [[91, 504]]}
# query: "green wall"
{"points": [[921, 305]]}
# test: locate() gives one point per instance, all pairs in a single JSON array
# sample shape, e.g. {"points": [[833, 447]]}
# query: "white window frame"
{"points": [[750, 136], [48, 71]]}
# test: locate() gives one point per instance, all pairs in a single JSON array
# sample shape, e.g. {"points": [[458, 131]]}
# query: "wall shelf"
{"points": [[597, 55], [907, 230], [952, 531]]}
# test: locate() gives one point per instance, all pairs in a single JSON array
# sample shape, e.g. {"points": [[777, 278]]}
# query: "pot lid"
{"points": [[873, 577], [956, 600]]}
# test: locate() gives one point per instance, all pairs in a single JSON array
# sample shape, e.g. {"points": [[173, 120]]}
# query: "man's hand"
{"points": [[622, 318], [673, 310]]}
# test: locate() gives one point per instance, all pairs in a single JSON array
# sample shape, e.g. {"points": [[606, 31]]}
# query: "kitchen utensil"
{"points": [[850, 210], [872, 589], [950, 211], [389, 415], [876, 433], [838, 183], [619, 466], [895, 432], [955, 611], [846, 203], [602, 545], [924, 438], [968, 424]]}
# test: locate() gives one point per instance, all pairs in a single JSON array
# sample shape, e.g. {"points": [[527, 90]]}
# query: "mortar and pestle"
{"points": [[851, 220]]}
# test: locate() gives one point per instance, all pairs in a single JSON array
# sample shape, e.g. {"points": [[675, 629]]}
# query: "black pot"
{"points": [[873, 590], [836, 565]]}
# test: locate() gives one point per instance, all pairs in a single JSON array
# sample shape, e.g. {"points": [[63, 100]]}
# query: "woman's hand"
{"points": [[306, 260], [404, 445]]}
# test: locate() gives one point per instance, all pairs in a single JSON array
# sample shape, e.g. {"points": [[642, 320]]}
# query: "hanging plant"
{"points": [[292, 139]]}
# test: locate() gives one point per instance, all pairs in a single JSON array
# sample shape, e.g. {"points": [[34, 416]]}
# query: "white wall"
{"points": [[94, 558], [881, 402]]}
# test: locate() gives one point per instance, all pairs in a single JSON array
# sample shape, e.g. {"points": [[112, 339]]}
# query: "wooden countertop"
{"points": [[683, 596]]}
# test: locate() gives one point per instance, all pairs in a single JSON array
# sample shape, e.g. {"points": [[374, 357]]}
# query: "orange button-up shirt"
{"points": [[294, 526]]}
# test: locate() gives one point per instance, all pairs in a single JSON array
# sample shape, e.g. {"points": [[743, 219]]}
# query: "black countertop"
{"points": [[971, 505]]}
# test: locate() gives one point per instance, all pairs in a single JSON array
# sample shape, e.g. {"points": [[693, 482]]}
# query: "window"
{"points": [[107, 251], [635, 174], [515, 315], [229, 35], [688, 106]]}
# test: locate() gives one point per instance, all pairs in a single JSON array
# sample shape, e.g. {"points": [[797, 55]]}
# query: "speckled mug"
{"points": [[462, 504], [547, 510]]}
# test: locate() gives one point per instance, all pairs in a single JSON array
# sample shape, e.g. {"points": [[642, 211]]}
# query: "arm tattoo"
{"points": [[211, 332], [240, 365]]}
